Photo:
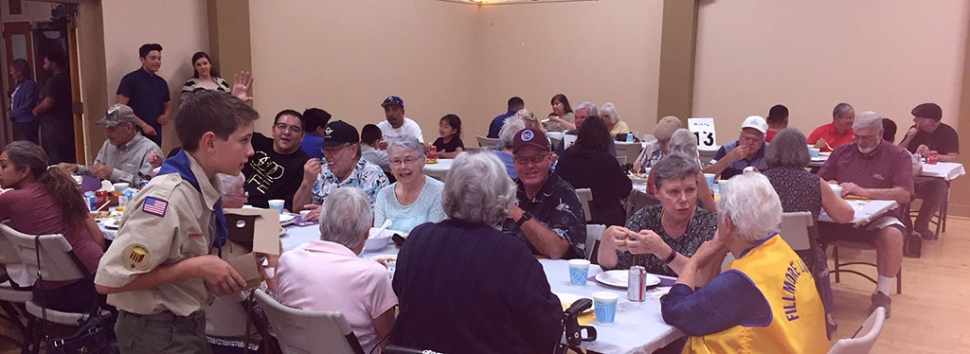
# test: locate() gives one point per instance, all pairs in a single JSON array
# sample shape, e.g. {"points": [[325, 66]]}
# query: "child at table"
{"points": [[449, 144]]}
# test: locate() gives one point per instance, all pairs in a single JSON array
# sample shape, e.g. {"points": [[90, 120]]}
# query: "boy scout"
{"points": [[159, 272]]}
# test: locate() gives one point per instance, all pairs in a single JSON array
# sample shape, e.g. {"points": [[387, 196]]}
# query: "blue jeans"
{"points": [[28, 131]]}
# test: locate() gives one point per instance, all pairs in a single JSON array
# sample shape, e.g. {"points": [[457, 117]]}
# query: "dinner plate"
{"points": [[287, 219], [282, 231], [620, 278], [568, 299], [112, 224]]}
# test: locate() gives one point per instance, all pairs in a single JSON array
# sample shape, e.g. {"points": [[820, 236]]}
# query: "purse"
{"points": [[93, 336]]}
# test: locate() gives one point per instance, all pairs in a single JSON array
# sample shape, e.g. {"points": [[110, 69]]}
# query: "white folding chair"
{"points": [[794, 230], [630, 150], [585, 195], [593, 234], [863, 339], [13, 300], [727, 261], [486, 142], [300, 331]]}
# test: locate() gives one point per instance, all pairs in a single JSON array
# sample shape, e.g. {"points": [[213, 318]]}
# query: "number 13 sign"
{"points": [[703, 129]]}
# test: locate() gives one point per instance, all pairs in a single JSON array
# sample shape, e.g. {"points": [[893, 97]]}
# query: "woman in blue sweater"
{"points": [[23, 99]]}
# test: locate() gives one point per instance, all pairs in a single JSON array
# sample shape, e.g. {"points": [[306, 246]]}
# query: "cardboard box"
{"points": [[252, 232]]}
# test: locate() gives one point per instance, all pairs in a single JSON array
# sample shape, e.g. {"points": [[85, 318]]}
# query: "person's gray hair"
{"points": [[477, 189], [528, 118], [593, 112], [867, 119], [683, 142], [405, 143], [610, 110], [506, 135], [753, 206], [675, 166], [789, 148], [841, 108], [346, 217]]}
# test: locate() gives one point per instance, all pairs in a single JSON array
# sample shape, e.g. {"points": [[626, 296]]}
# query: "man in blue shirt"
{"points": [[315, 120], [515, 104], [748, 151], [147, 93], [582, 112]]}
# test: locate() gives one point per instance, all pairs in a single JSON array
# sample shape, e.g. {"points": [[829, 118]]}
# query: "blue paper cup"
{"points": [[604, 306], [710, 179], [813, 152], [276, 204], [578, 271]]}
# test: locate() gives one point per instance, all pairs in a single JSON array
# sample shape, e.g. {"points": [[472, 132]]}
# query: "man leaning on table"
{"points": [[124, 157], [548, 217], [765, 301], [747, 151], [875, 169], [929, 134], [830, 136]]}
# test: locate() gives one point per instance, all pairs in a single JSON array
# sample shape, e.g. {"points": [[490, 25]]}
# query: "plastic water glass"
{"points": [[578, 271], [813, 152], [710, 179], [604, 306], [276, 204]]}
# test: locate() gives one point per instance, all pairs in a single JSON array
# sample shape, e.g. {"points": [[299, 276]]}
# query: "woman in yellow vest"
{"points": [[765, 301]]}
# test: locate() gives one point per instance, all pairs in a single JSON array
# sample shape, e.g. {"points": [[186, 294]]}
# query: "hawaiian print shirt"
{"points": [[557, 207], [366, 176]]}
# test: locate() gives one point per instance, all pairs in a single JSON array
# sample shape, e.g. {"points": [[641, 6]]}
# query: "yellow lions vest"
{"points": [[797, 322]]}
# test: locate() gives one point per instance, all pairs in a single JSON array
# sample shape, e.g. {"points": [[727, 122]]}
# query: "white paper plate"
{"points": [[620, 278], [282, 231], [568, 300], [112, 223], [287, 219]]}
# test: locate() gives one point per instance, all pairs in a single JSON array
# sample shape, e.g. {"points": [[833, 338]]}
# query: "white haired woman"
{"points": [[360, 289], [506, 136], [765, 302], [463, 285], [415, 198], [612, 119]]}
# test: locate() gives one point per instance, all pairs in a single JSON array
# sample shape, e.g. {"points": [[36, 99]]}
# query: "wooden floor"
{"points": [[930, 316]]}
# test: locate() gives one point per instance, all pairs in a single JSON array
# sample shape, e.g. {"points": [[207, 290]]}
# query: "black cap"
{"points": [[928, 110], [339, 132]]}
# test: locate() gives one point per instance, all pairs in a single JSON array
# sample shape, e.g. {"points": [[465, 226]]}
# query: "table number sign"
{"points": [[703, 129]]}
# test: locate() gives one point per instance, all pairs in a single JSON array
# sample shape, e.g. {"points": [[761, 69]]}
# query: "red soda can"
{"points": [[100, 198], [934, 157], [434, 152]]}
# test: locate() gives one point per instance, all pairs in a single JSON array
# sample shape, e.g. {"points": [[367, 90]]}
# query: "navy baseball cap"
{"points": [[392, 100], [339, 132]]}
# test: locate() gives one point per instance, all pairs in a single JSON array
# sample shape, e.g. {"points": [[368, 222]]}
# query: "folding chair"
{"points": [[794, 230], [301, 331], [593, 234], [863, 339], [13, 299], [839, 266], [585, 195], [486, 142]]}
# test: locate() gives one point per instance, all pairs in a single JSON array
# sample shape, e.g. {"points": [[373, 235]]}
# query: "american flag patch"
{"points": [[155, 206]]}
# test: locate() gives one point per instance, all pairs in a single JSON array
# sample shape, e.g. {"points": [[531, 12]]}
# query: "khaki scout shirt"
{"points": [[167, 222]]}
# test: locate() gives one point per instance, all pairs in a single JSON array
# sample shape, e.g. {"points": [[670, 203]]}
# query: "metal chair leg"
{"points": [[835, 254]]}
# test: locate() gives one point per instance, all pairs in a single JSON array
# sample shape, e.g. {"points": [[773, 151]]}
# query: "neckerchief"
{"points": [[180, 164]]}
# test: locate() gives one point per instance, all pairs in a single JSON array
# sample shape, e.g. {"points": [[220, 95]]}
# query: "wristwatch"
{"points": [[526, 216]]}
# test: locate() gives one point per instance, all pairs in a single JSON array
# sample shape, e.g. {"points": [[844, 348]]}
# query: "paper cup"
{"points": [[604, 306], [710, 179], [303, 214], [578, 271], [837, 189], [121, 186], [276, 204], [813, 152]]}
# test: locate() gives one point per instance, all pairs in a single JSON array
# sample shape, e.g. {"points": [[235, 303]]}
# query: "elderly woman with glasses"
{"points": [[415, 198], [360, 289], [464, 286], [765, 301], [662, 237]]}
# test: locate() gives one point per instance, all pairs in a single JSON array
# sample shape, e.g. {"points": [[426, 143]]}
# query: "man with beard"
{"points": [[55, 111], [396, 124], [276, 168]]}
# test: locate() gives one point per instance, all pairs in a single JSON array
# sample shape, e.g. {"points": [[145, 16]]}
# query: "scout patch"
{"points": [[155, 206], [136, 257]]}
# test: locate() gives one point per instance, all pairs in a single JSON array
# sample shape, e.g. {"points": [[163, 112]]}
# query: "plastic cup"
{"points": [[710, 179], [303, 214], [121, 186], [578, 271], [604, 306], [813, 152], [276, 204], [837, 189]]}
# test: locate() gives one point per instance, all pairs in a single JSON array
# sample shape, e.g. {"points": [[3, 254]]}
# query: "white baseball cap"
{"points": [[757, 123]]}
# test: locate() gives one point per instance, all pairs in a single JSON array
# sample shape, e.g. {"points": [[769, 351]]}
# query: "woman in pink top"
{"points": [[48, 201]]}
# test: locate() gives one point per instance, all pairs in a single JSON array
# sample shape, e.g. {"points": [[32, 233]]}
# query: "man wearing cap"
{"points": [[657, 149], [315, 120], [829, 136], [275, 169], [397, 124], [748, 151], [344, 168], [926, 135], [777, 120], [549, 217], [124, 157], [581, 113]]}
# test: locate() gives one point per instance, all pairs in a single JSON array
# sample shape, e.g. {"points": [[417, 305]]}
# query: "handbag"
{"points": [[93, 336]]}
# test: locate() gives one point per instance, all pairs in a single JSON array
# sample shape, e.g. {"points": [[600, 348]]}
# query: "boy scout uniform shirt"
{"points": [[167, 222]]}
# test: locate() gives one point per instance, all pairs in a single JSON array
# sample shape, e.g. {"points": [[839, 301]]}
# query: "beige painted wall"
{"points": [[178, 25], [886, 56], [31, 11], [443, 58]]}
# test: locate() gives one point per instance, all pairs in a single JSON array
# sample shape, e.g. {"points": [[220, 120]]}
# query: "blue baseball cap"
{"points": [[392, 100]]}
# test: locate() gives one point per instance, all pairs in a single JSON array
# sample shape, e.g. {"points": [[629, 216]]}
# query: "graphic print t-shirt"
{"points": [[270, 175]]}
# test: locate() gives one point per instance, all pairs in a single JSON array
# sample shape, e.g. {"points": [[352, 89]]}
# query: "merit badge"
{"points": [[155, 206], [136, 257]]}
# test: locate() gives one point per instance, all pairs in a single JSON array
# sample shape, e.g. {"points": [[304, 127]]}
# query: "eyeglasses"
{"points": [[522, 160], [406, 161], [292, 128]]}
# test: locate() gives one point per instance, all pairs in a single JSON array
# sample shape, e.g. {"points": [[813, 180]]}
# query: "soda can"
{"points": [[635, 290], [934, 157]]}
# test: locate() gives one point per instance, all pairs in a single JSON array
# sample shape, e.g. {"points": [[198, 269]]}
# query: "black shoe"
{"points": [[881, 300], [926, 234]]}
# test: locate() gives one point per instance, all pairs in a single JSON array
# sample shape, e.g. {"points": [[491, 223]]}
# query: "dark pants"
{"points": [[161, 333], [932, 191], [79, 296], [28, 131], [158, 133], [58, 141]]}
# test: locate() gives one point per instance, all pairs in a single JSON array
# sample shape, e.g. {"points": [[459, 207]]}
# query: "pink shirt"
{"points": [[327, 276]]}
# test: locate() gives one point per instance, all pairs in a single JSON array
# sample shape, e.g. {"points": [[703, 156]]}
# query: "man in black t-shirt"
{"points": [[926, 135], [55, 112], [275, 170]]}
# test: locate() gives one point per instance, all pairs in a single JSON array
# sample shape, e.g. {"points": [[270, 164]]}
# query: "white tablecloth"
{"points": [[865, 210], [439, 170], [945, 170]]}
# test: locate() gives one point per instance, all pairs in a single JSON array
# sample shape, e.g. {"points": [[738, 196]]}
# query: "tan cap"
{"points": [[666, 126]]}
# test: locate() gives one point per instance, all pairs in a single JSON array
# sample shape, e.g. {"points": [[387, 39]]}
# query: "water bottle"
{"points": [[91, 200]]}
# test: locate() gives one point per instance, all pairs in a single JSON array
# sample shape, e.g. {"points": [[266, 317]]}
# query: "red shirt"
{"points": [[831, 136], [770, 135]]}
